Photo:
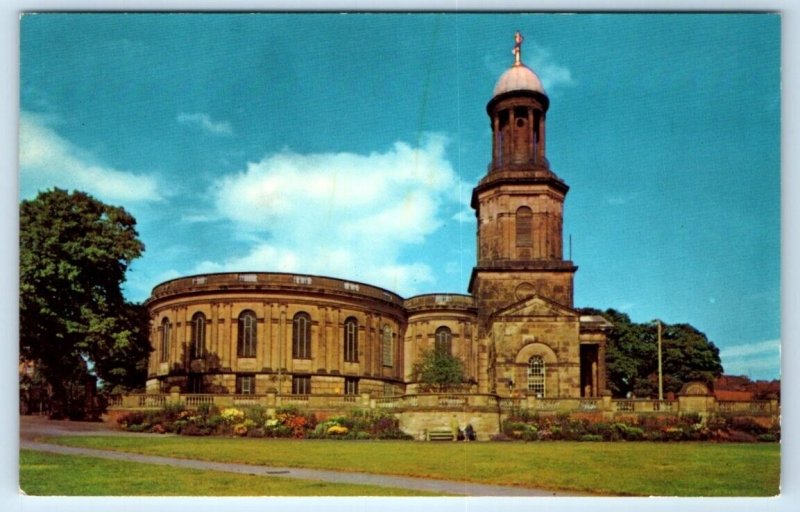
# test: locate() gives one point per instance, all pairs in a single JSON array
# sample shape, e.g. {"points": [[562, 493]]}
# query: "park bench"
{"points": [[440, 434]]}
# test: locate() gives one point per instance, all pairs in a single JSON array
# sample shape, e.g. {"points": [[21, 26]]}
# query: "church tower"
{"points": [[519, 203], [532, 341]]}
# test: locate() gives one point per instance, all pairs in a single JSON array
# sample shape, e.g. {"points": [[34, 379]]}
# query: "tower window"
{"points": [[245, 384], [524, 223], [350, 386], [246, 346], [198, 335], [536, 376], [351, 340], [165, 328], [301, 385], [387, 346], [301, 336], [444, 341]]}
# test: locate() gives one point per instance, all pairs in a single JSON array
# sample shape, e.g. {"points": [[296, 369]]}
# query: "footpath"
{"points": [[32, 428]]}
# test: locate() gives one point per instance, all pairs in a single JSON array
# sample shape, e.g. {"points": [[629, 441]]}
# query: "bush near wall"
{"points": [[525, 426], [288, 422]]}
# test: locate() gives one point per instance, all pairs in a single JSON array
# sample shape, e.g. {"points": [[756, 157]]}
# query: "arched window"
{"points": [[198, 335], [351, 340], [246, 346], [444, 342], [524, 227], [536, 376], [387, 346], [165, 328], [301, 336]]}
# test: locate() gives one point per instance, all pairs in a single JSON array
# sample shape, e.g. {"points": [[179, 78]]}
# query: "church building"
{"points": [[516, 331]]}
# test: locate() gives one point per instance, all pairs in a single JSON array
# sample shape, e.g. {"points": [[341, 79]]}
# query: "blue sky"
{"points": [[348, 145]]}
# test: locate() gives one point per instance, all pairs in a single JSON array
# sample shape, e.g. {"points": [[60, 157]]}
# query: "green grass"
{"points": [[643, 469], [46, 474]]}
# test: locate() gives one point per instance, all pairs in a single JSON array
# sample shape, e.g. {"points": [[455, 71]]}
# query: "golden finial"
{"points": [[518, 48]]}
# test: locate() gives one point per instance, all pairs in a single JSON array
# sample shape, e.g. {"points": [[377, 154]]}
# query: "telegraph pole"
{"points": [[660, 375]]}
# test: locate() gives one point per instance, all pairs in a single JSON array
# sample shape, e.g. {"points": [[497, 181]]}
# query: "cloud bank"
{"points": [[758, 360], [47, 160], [346, 215]]}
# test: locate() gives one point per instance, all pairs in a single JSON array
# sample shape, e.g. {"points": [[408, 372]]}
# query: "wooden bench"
{"points": [[440, 434]]}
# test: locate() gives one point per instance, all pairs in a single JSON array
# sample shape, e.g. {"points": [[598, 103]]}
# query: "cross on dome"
{"points": [[518, 39]]}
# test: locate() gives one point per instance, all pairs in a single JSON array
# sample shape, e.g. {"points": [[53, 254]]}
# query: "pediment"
{"points": [[534, 306]]}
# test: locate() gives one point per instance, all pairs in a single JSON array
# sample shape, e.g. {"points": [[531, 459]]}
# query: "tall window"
{"points": [[195, 383], [350, 386], [524, 224], [444, 342], [536, 376], [198, 335], [387, 346], [351, 340], [301, 336], [165, 328], [246, 346], [301, 385], [245, 384]]}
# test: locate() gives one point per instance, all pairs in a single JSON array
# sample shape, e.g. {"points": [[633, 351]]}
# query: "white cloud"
{"points": [[753, 349], [204, 122], [48, 160], [760, 360], [552, 74], [352, 216], [465, 215]]}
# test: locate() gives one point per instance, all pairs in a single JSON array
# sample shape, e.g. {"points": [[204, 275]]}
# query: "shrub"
{"points": [[232, 415], [257, 414], [737, 436], [172, 411], [768, 438], [132, 418], [256, 432], [337, 430], [239, 429], [591, 437], [748, 425]]}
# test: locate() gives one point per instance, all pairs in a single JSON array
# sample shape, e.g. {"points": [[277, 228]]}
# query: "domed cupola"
{"points": [[517, 110]]}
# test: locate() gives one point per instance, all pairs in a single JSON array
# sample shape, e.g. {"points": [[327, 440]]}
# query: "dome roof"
{"points": [[519, 78]]}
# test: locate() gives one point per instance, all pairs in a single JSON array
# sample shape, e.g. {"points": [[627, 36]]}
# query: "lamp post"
{"points": [[660, 374]]}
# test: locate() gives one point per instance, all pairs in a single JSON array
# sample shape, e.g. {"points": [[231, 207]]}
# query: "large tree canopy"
{"points": [[632, 355], [74, 252]]}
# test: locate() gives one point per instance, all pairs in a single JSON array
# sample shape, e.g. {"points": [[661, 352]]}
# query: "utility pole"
{"points": [[660, 375]]}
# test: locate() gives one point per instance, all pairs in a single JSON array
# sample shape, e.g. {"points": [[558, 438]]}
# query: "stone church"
{"points": [[516, 332]]}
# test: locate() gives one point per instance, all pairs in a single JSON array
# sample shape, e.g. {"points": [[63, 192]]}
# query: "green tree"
{"points": [[74, 252], [632, 355], [438, 371]]}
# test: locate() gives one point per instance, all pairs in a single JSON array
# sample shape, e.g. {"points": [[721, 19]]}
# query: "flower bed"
{"points": [[288, 422], [690, 427]]}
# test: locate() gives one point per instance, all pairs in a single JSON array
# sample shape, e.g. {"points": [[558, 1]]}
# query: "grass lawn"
{"points": [[47, 474], [640, 468]]}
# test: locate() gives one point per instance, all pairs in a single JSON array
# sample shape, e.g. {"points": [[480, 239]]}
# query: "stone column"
{"points": [[495, 139], [531, 135]]}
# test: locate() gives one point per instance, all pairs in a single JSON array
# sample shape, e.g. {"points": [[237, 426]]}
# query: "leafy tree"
{"points": [[632, 355], [438, 370], [74, 252]]}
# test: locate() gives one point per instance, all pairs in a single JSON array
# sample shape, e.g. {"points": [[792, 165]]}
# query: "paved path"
{"points": [[32, 429]]}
